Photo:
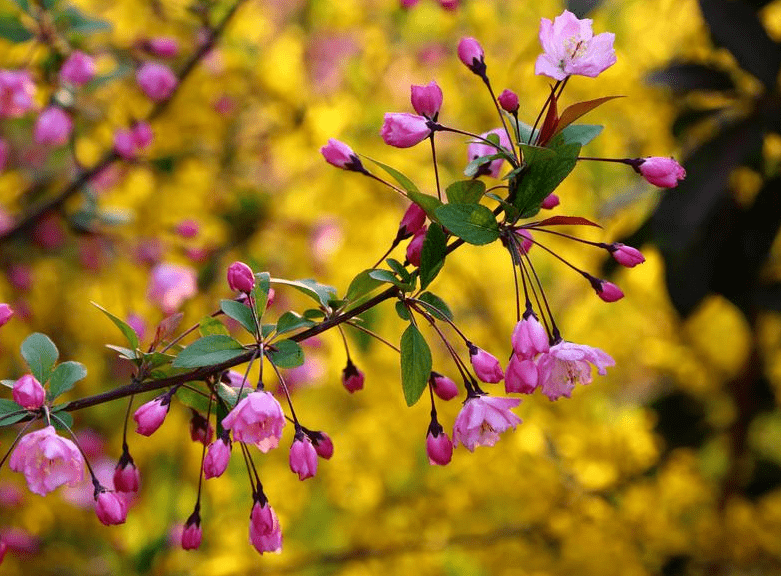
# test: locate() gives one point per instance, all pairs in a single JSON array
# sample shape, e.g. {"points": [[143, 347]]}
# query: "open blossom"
{"points": [[521, 375], [111, 508], [78, 69], [150, 416], [482, 419], [53, 127], [568, 363], [570, 47], [156, 80], [477, 149], [486, 366], [16, 93], [47, 461], [404, 130], [427, 100], [662, 172], [303, 457], [28, 392], [257, 419], [170, 285], [264, 530]]}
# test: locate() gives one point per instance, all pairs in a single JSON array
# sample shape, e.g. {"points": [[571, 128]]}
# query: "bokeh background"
{"points": [[668, 465]]}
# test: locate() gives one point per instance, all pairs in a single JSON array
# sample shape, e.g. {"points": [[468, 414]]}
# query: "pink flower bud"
{"points": [[200, 429], [439, 448], [486, 366], [341, 155], [352, 378], [303, 457], [449, 4], [142, 134], [187, 228], [427, 100], [191, 534], [527, 240], [240, 277], [53, 127], [508, 100], [413, 220], [471, 54], [124, 144], [626, 255], [608, 291], [111, 508], [126, 476], [529, 338], [78, 69], [415, 246], [662, 172], [218, 455], [156, 80], [150, 416], [163, 46], [444, 387], [521, 376], [264, 530], [6, 313], [323, 444], [404, 130], [28, 392], [550, 202]]}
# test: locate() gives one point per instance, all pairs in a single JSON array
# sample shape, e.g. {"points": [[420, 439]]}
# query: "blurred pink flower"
{"points": [[16, 93], [156, 80], [170, 285], [163, 46], [53, 127], [78, 69]]}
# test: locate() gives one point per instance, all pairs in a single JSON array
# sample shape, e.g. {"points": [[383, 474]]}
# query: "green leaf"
{"points": [[361, 285], [209, 351], [40, 353], [230, 395], [23, 4], [441, 309], [64, 377], [415, 364], [239, 312], [578, 134], [427, 202], [8, 407], [405, 182], [390, 278], [537, 151], [124, 327], [465, 192], [473, 223], [210, 325], [543, 175], [157, 359], [260, 293], [402, 311], [287, 354], [62, 418], [124, 352], [432, 256], [314, 313], [474, 166], [398, 268], [12, 29], [195, 400], [319, 292], [524, 131], [76, 21], [290, 321]]}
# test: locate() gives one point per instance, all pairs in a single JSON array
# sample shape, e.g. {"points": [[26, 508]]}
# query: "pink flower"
{"points": [[200, 429], [111, 508], [16, 93], [341, 155], [427, 100], [608, 291], [150, 416], [444, 387], [128, 143], [472, 55], [529, 337], [126, 476], [53, 127], [218, 455], [566, 364], [550, 202], [47, 461], [156, 80], [449, 4], [413, 220], [192, 533], [662, 172], [170, 285], [508, 100], [404, 130], [256, 419], [486, 366], [78, 69], [187, 228], [163, 46], [323, 444], [303, 457], [408, 3], [415, 246], [439, 448], [482, 419], [240, 277], [527, 240], [521, 376], [352, 378], [3, 548], [626, 255], [480, 148], [264, 530], [28, 392], [569, 47]]}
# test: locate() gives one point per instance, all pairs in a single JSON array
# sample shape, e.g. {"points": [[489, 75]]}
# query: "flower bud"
{"points": [[110, 508], [608, 291], [156, 80], [404, 130], [240, 277], [413, 220], [217, 456], [150, 416], [508, 100], [126, 476], [53, 127], [471, 54], [427, 100], [200, 428], [191, 534], [550, 202], [187, 228], [443, 386], [264, 530], [28, 392], [303, 457], [486, 366], [352, 378], [415, 246], [626, 255], [6, 313], [529, 337], [78, 69], [662, 172], [341, 155], [323, 444], [449, 4], [142, 134], [439, 448], [521, 377], [527, 241], [163, 46]]}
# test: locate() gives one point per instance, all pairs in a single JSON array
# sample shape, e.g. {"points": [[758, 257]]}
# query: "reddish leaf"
{"points": [[565, 221], [551, 120], [577, 110], [166, 328]]}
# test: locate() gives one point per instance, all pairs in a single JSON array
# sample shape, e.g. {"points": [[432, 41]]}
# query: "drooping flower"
{"points": [[486, 366], [264, 530], [170, 285], [257, 419], [200, 428], [477, 149], [150, 416], [53, 127], [303, 457], [404, 130], [192, 533], [439, 448], [352, 378], [413, 220], [156, 80], [570, 47], [626, 255], [568, 363], [521, 375], [111, 508], [415, 246], [482, 419], [444, 387], [217, 457], [427, 100], [47, 461], [323, 444], [28, 392], [472, 55], [662, 172], [608, 291], [126, 476], [78, 69], [529, 338]]}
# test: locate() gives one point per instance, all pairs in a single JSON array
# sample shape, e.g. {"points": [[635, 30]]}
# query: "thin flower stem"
{"points": [[617, 160], [185, 333], [124, 428], [384, 256], [445, 318], [285, 390], [250, 467], [501, 116], [511, 159], [344, 340], [372, 334], [388, 184], [462, 368], [95, 481], [554, 331], [436, 168]]}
